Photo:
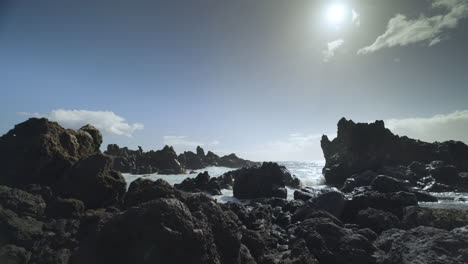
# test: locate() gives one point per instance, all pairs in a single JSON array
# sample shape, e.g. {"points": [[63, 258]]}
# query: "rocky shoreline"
{"points": [[166, 161], [62, 201]]}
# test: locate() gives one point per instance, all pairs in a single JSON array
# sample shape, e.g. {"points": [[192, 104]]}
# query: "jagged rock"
{"points": [[201, 183], [361, 146], [377, 220], [427, 245], [144, 190], [22, 202], [163, 231], [365, 197], [11, 254], [191, 160], [269, 180], [386, 184], [331, 201], [332, 244], [232, 161], [358, 180], [447, 219], [40, 151], [200, 152], [92, 181], [20, 231]]}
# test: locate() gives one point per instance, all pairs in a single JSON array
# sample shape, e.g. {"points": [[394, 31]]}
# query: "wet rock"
{"points": [[92, 181], [269, 180], [331, 201], [144, 190], [377, 220], [202, 183], [386, 184], [358, 180], [40, 151], [447, 219]]}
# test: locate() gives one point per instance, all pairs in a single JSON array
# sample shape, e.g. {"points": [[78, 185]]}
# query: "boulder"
{"points": [[269, 180], [332, 244], [144, 190], [332, 202], [17, 230], [160, 231], [92, 181], [65, 208], [22, 202], [202, 183], [40, 151], [447, 219], [427, 245], [191, 160], [11, 254], [377, 220], [386, 184], [370, 146]]}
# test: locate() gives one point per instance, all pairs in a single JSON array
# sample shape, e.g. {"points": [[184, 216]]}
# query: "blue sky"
{"points": [[261, 78]]}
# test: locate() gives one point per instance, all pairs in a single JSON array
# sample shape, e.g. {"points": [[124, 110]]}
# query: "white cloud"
{"points": [[355, 18], [105, 121], [185, 141], [402, 31], [451, 126], [331, 48], [296, 147]]}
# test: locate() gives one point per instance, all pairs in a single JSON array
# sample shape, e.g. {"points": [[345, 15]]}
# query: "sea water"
{"points": [[310, 174]]}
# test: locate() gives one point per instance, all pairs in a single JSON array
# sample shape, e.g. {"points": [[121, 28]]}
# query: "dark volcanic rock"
{"points": [[65, 208], [447, 219], [160, 231], [426, 245], [11, 254], [92, 181], [191, 160], [201, 183], [361, 146], [269, 180], [40, 151], [377, 220], [144, 190], [22, 202]]}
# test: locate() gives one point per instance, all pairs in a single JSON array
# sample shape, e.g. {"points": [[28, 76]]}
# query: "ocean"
{"points": [[310, 174]]}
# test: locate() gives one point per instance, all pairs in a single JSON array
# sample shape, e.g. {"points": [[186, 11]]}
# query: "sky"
{"points": [[260, 78]]}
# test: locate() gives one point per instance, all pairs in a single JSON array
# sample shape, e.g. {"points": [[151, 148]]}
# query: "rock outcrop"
{"points": [[202, 183], [268, 180], [40, 151], [361, 146], [166, 161]]}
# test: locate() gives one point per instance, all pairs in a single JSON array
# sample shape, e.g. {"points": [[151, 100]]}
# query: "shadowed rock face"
{"points": [[269, 180], [361, 146], [39, 151]]}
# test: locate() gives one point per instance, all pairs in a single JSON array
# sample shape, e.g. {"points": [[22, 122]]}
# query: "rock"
{"points": [[65, 208], [92, 181], [331, 243], [365, 197], [144, 190], [201, 183], [22, 202], [11, 254], [20, 231], [332, 202], [447, 219], [269, 180], [40, 151], [428, 245], [160, 231], [191, 160], [362, 146], [377, 220], [386, 184], [232, 161], [200, 152], [358, 180]]}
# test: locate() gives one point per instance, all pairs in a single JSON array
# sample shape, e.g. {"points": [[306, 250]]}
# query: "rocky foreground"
{"points": [[62, 202]]}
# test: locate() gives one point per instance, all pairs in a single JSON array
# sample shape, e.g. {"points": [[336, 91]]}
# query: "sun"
{"points": [[336, 13]]}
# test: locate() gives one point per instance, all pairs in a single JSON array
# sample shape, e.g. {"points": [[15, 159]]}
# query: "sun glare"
{"points": [[336, 13]]}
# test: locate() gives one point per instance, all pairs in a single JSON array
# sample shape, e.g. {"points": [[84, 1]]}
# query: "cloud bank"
{"points": [[186, 142], [106, 121], [402, 31], [331, 48], [451, 126]]}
